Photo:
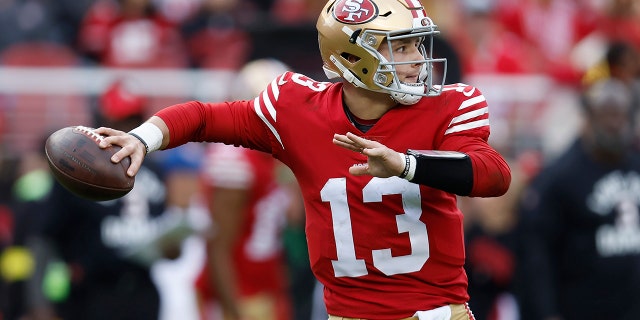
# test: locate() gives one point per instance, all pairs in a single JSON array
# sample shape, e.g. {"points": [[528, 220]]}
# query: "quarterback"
{"points": [[385, 236]]}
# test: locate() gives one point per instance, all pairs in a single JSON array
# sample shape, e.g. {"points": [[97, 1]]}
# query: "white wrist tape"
{"points": [[150, 135], [412, 167], [409, 166]]}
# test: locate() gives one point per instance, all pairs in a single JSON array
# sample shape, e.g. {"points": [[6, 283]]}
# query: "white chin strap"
{"points": [[410, 93]]}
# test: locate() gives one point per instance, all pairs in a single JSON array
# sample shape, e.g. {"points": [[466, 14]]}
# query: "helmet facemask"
{"points": [[386, 76]]}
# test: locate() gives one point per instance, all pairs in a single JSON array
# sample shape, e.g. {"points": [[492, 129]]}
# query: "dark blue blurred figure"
{"points": [[580, 220], [105, 249]]}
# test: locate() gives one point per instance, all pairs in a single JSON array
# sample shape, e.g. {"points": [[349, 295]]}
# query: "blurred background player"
{"points": [[245, 273], [580, 220], [107, 248], [130, 33], [621, 62], [217, 21]]}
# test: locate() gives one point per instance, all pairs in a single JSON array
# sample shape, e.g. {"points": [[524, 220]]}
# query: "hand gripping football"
{"points": [[81, 166]]}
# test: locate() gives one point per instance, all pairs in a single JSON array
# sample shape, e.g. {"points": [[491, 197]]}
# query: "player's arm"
{"points": [[229, 122], [489, 172], [478, 172]]}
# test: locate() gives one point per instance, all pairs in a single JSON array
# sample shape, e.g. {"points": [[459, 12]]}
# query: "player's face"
{"points": [[404, 50], [611, 129]]}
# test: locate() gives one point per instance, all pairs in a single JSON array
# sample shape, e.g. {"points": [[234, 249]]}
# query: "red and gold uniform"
{"points": [[257, 254], [383, 248]]}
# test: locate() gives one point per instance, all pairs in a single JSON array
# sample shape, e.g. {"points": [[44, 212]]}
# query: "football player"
{"points": [[382, 246], [245, 273]]}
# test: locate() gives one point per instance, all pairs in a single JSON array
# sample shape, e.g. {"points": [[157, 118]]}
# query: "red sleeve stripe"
{"points": [[469, 115], [258, 108], [275, 86], [480, 110], [269, 105], [471, 102], [467, 126]]}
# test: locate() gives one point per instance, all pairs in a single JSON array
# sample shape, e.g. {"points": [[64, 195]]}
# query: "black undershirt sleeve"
{"points": [[450, 174]]}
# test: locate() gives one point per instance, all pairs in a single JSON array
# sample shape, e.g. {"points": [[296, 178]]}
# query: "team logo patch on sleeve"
{"points": [[355, 11]]}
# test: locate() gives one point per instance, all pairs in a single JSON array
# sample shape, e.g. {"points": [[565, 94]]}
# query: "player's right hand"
{"points": [[382, 161], [131, 147]]}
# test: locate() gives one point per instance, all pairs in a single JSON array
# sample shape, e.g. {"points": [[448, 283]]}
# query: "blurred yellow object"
{"points": [[16, 264], [596, 73]]}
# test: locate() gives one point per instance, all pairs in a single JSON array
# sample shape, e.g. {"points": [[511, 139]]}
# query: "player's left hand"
{"points": [[382, 161]]}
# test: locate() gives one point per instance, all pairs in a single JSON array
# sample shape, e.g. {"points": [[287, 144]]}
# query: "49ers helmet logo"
{"points": [[355, 11]]}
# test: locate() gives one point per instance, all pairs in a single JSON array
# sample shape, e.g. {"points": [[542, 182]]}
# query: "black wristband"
{"points": [[448, 171], [146, 147]]}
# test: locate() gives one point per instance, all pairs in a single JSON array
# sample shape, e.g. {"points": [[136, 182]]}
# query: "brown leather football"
{"points": [[81, 166]]}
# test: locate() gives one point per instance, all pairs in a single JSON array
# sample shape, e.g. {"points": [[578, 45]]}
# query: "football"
{"points": [[85, 169]]}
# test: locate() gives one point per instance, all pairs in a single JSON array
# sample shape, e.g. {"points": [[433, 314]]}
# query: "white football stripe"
{"points": [[473, 101], [417, 4], [414, 3], [468, 126], [469, 115], [256, 106], [275, 89], [267, 103]]}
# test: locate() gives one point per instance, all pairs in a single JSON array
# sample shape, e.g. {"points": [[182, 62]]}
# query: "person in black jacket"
{"points": [[580, 220], [108, 247]]}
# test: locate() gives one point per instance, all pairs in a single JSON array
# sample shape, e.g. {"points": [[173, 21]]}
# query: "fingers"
{"points": [[136, 162], [359, 170], [130, 147], [343, 141], [362, 142], [135, 151], [108, 131], [354, 143], [355, 138]]}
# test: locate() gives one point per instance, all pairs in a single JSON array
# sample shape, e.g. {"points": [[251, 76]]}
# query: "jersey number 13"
{"points": [[347, 265]]}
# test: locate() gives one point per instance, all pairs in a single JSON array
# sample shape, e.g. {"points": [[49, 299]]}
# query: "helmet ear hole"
{"points": [[350, 57], [365, 70]]}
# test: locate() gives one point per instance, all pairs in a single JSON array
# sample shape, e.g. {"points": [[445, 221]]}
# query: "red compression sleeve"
{"points": [[491, 173], [227, 122]]}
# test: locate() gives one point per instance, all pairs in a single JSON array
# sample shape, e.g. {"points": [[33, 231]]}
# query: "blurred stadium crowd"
{"points": [[532, 59]]}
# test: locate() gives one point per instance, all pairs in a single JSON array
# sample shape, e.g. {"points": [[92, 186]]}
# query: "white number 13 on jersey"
{"points": [[347, 265]]}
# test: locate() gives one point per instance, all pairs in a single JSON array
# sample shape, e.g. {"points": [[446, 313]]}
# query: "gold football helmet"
{"points": [[351, 31]]}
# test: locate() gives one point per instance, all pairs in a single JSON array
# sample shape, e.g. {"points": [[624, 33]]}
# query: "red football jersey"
{"points": [[383, 248], [257, 255]]}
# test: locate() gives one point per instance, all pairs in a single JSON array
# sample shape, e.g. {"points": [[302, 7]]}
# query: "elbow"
{"points": [[494, 184], [502, 183], [499, 182]]}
